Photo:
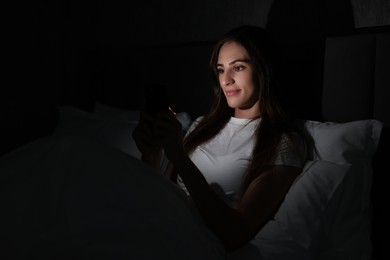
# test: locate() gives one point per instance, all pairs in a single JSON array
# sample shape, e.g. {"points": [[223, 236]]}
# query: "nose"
{"points": [[226, 79]]}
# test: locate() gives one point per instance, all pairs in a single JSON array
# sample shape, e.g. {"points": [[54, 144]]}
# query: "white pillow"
{"points": [[356, 143], [303, 217], [346, 142], [117, 133], [326, 213]]}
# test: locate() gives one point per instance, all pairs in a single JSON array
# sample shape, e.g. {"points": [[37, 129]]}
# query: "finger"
{"points": [[166, 119], [168, 113], [169, 133], [144, 141], [143, 129], [143, 135], [166, 128], [146, 117]]}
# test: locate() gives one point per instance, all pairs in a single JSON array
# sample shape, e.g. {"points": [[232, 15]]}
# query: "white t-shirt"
{"points": [[224, 159]]}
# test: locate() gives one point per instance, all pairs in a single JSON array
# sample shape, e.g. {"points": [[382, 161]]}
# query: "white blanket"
{"points": [[70, 196]]}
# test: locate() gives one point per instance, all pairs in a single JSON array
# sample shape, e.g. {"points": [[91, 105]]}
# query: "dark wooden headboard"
{"points": [[356, 81]]}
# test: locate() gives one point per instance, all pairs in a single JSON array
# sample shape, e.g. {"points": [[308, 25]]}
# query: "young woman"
{"points": [[238, 161]]}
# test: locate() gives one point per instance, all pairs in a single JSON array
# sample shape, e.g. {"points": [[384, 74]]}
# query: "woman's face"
{"points": [[235, 74]]}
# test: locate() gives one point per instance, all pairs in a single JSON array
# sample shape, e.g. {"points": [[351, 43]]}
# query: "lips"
{"points": [[232, 92]]}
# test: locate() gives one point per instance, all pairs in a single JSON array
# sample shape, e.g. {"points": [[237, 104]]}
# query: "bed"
{"points": [[81, 191]]}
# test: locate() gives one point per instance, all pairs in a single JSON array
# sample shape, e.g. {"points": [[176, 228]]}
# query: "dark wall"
{"points": [[301, 28], [60, 51]]}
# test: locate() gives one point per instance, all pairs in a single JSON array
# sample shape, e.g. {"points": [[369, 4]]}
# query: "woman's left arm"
{"points": [[237, 226], [263, 197]]}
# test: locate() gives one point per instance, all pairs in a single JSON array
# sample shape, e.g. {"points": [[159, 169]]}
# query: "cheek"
{"points": [[254, 87], [249, 84], [252, 92]]}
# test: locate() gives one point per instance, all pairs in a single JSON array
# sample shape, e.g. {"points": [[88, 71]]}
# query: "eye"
{"points": [[219, 71], [239, 68]]}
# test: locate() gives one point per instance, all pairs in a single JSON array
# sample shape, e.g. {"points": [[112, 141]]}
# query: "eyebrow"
{"points": [[235, 61]]}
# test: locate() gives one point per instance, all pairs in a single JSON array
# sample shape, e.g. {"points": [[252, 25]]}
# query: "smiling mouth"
{"points": [[232, 92]]}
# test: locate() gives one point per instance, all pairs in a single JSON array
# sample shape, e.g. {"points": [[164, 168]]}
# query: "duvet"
{"points": [[68, 196]]}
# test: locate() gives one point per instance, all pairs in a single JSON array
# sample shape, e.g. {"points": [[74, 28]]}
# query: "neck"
{"points": [[249, 113]]}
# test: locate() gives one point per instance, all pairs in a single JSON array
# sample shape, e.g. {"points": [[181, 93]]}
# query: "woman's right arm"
{"points": [[171, 171], [146, 141]]}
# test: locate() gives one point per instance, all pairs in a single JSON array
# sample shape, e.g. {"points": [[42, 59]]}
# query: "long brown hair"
{"points": [[274, 120]]}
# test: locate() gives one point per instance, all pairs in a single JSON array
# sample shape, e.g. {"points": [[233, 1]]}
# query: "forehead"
{"points": [[231, 51]]}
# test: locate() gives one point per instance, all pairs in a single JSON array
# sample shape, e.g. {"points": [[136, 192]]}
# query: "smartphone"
{"points": [[156, 98]]}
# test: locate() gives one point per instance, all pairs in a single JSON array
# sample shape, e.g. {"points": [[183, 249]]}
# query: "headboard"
{"points": [[356, 81]]}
